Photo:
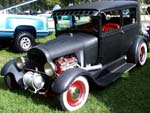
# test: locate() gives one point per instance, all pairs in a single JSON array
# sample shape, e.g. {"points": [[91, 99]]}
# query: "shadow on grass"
{"points": [[6, 44], [129, 94], [2, 84], [39, 99], [50, 102]]}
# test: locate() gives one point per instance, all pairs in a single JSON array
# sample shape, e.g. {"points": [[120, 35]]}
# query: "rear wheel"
{"points": [[142, 53], [11, 82], [24, 41], [76, 95]]}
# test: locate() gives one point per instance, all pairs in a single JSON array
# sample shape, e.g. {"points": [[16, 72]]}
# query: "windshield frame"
{"points": [[75, 12], [74, 28]]}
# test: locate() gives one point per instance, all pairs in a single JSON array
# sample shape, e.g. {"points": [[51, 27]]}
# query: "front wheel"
{"points": [[76, 95], [10, 82], [142, 53], [24, 41]]}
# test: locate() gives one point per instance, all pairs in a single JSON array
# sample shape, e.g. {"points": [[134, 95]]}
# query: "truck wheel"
{"points": [[24, 41], [142, 53], [76, 95], [10, 82]]}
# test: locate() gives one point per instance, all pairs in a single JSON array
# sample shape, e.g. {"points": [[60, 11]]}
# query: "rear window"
{"points": [[129, 16]]}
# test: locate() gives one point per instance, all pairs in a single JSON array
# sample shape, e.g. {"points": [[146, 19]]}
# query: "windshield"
{"points": [[82, 23]]}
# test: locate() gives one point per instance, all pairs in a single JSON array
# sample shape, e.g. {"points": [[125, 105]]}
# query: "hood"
{"points": [[64, 44]]}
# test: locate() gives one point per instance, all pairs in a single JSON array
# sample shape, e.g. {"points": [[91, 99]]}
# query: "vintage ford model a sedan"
{"points": [[95, 43]]}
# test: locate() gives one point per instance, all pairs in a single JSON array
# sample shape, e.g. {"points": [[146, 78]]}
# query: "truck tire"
{"points": [[24, 41], [75, 96]]}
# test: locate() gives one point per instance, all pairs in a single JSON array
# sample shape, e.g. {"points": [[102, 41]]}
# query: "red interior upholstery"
{"points": [[110, 26]]}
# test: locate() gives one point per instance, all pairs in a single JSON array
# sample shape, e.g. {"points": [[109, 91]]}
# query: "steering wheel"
{"points": [[110, 26]]}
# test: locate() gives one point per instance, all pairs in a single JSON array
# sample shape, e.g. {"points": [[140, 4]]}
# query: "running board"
{"points": [[114, 74]]}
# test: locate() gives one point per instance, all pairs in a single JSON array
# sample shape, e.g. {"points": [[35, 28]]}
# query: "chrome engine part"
{"points": [[33, 80], [65, 63]]}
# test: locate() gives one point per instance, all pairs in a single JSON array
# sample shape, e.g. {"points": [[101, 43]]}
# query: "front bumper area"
{"points": [[10, 68], [31, 80]]}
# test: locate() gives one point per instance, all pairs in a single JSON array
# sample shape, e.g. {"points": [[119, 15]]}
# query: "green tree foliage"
{"points": [[40, 3], [47, 4], [146, 1], [52, 2]]}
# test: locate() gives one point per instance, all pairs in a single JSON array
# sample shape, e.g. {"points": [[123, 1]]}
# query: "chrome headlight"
{"points": [[20, 62], [49, 68]]}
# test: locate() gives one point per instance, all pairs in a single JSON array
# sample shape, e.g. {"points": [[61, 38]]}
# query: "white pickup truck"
{"points": [[22, 29]]}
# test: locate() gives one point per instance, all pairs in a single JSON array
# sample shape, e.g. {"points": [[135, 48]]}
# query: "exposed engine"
{"points": [[65, 63], [35, 81]]}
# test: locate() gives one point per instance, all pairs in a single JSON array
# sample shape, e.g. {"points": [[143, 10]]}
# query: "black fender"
{"points": [[10, 68], [133, 51], [63, 82]]}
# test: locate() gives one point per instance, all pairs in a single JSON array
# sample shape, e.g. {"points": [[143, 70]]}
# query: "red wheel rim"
{"points": [[142, 53], [76, 93]]}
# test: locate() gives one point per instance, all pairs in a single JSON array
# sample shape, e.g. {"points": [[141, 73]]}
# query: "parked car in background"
{"points": [[97, 44], [22, 29], [147, 36]]}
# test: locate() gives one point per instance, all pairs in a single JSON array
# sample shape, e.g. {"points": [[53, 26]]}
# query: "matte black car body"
{"points": [[95, 42]]}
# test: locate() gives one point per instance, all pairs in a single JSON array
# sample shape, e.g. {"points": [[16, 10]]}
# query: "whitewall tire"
{"points": [[76, 95], [142, 53]]}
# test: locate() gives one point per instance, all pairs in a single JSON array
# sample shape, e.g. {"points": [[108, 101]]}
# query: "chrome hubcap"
{"points": [[25, 43], [75, 93], [142, 54]]}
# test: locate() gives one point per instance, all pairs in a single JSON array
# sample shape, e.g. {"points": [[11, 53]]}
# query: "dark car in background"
{"points": [[97, 43]]}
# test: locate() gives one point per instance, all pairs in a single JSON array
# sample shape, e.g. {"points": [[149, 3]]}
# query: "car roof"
{"points": [[103, 5], [94, 6]]}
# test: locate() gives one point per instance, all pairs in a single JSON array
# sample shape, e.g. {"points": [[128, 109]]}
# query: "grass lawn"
{"points": [[129, 94]]}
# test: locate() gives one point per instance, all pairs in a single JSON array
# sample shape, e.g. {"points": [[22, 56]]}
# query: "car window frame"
{"points": [[136, 16], [112, 32], [103, 34]]}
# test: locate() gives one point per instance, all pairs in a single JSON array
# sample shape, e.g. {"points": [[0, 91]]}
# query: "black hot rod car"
{"points": [[95, 42]]}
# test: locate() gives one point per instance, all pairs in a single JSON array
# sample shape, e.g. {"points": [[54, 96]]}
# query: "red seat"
{"points": [[110, 26]]}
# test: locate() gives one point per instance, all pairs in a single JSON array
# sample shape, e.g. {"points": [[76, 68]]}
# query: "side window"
{"points": [[111, 21], [129, 16], [87, 23]]}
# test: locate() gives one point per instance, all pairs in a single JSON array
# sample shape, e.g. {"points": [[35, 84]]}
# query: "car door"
{"points": [[111, 37], [130, 27]]}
